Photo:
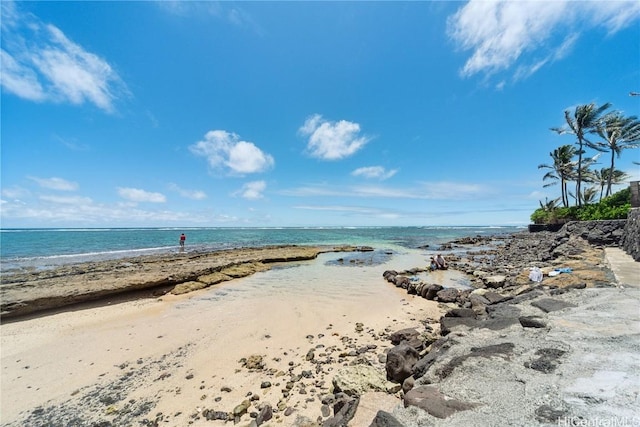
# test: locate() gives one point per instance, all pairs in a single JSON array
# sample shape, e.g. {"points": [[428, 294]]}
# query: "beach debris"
{"points": [[535, 274]]}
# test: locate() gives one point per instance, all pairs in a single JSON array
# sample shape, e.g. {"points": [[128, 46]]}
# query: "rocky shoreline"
{"points": [[516, 351], [507, 351]]}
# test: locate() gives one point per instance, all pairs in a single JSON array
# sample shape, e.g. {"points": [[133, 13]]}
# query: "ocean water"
{"points": [[47, 248]]}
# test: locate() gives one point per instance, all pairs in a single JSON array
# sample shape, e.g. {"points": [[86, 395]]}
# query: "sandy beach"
{"points": [[177, 359]]}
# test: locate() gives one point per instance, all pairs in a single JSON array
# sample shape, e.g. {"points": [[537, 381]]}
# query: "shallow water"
{"points": [[47, 248]]}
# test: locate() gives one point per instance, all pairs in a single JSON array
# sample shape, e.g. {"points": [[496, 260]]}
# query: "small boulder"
{"points": [[531, 322], [358, 379], [400, 362], [432, 291], [447, 295], [461, 312], [496, 281], [403, 335], [385, 419], [429, 398], [402, 282]]}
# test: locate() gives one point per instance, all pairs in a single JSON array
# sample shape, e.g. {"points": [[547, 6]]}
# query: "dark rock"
{"points": [[435, 403], [389, 275], [422, 366], [461, 312], [494, 297], [448, 323], [211, 415], [503, 310], [400, 362], [502, 350], [478, 301], [417, 343], [408, 384], [265, 414], [438, 349], [599, 233], [403, 335], [385, 419], [630, 240], [402, 282], [549, 304], [325, 410], [534, 293], [548, 360], [531, 322], [546, 414], [495, 324], [447, 295], [310, 355], [344, 410], [432, 291]]}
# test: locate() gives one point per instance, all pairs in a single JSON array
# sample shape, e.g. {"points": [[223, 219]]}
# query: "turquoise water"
{"points": [[42, 248]]}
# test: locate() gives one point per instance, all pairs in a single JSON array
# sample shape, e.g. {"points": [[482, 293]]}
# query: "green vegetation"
{"points": [[603, 131], [616, 206]]}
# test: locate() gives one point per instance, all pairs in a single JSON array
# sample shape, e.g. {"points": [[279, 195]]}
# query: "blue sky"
{"points": [[299, 113]]}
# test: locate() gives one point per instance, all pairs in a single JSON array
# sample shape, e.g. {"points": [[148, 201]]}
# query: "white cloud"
{"points": [[501, 33], [424, 191], [15, 192], [189, 194], [252, 190], [55, 183], [613, 15], [137, 195], [374, 172], [40, 63], [332, 140], [444, 190], [67, 200], [224, 149], [190, 8], [230, 12], [19, 79]]}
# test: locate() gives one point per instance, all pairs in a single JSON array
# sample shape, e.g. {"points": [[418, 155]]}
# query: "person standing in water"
{"points": [[183, 238]]}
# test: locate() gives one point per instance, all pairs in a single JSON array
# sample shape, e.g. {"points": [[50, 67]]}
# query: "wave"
{"points": [[97, 254]]}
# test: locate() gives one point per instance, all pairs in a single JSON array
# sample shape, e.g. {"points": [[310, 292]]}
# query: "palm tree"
{"points": [[589, 195], [601, 178], [619, 133], [561, 170], [549, 205], [584, 120]]}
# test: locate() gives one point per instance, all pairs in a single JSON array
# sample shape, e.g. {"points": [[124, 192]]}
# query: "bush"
{"points": [[540, 216], [601, 211], [616, 206]]}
